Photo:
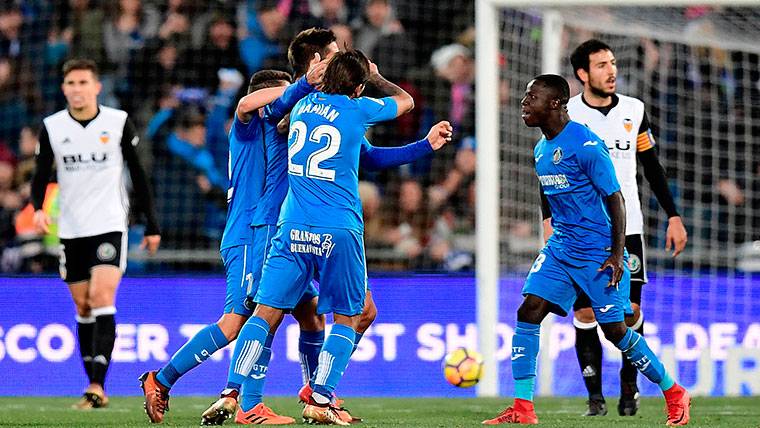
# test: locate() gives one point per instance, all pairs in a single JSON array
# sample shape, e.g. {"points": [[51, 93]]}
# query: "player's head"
{"points": [[545, 96], [346, 73], [80, 83], [594, 65], [308, 42], [268, 79]]}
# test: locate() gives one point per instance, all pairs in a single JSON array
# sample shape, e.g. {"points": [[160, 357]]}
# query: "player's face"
{"points": [[535, 104], [602, 73], [81, 89]]}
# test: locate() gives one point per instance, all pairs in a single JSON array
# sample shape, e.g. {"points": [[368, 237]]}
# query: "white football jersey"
{"points": [[622, 131], [91, 175]]}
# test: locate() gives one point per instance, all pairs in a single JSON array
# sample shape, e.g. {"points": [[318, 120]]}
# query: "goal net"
{"points": [[696, 69]]}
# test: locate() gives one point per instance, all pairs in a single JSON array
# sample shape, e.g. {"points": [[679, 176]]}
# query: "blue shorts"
{"points": [[557, 275], [239, 271], [301, 253], [243, 265]]}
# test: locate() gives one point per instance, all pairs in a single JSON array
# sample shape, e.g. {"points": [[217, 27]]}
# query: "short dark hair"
{"points": [[305, 45], [80, 64], [580, 56], [267, 79], [557, 84], [345, 72]]}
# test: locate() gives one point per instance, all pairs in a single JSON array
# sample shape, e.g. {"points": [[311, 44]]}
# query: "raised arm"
{"points": [[248, 105], [404, 101]]}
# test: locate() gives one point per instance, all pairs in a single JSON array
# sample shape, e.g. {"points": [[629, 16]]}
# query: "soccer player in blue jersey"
{"points": [[248, 185], [320, 227], [585, 252]]}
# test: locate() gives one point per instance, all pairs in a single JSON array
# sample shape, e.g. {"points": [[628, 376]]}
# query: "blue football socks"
{"points": [[635, 348], [253, 388], [197, 350], [309, 345], [525, 343], [249, 347], [333, 359]]}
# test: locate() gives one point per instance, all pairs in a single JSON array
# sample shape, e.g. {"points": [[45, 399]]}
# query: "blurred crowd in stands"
{"points": [[179, 66]]}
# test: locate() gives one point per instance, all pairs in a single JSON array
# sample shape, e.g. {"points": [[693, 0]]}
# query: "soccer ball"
{"points": [[463, 367]]}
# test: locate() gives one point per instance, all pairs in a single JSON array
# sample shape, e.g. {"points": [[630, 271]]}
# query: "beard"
{"points": [[599, 92]]}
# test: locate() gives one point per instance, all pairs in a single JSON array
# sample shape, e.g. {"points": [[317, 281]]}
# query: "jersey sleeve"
{"points": [[278, 108], [143, 197], [594, 159], [44, 167], [645, 139], [376, 110], [376, 158], [244, 130]]}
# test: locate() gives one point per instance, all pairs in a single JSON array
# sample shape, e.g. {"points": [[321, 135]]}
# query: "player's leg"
{"points": [[588, 349], [211, 338], [283, 280], [311, 336], [611, 304], [74, 268], [369, 313], [343, 279], [548, 288], [629, 391]]}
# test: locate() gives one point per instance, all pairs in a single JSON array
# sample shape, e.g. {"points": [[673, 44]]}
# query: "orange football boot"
{"points": [[522, 412], [678, 402], [261, 415], [156, 397]]}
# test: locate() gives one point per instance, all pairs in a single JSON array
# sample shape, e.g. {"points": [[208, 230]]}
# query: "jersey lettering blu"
{"points": [[576, 174], [256, 168], [324, 144]]}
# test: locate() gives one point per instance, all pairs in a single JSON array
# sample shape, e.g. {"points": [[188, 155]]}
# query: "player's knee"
{"points": [[531, 311], [310, 321], [367, 318], [585, 315], [271, 315], [231, 324], [614, 332]]}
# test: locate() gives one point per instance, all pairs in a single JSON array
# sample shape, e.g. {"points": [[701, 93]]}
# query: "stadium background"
{"points": [[178, 67]]}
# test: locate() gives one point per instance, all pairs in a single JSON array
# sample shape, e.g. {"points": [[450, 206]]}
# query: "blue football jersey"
{"points": [[576, 175], [324, 144], [257, 168], [246, 173]]}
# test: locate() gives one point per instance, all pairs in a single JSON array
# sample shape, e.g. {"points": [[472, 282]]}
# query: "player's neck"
{"points": [[555, 125], [85, 113], [595, 100]]}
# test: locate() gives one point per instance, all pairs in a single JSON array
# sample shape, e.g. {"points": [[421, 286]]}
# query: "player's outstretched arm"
{"points": [[377, 158], [616, 209], [404, 101], [279, 108]]}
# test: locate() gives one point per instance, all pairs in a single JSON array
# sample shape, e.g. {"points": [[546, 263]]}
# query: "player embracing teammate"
{"points": [[260, 162]]}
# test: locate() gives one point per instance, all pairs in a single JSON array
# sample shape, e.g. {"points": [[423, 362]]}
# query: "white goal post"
{"points": [[488, 177]]}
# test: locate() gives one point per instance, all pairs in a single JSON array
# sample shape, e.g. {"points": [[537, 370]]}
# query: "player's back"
{"points": [[576, 174], [246, 171], [324, 142]]}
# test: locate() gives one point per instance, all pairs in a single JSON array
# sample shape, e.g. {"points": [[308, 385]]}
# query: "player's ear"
{"points": [[358, 91], [583, 75]]}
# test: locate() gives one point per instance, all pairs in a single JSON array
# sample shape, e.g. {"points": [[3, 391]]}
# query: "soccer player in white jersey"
{"points": [[90, 145], [622, 123]]}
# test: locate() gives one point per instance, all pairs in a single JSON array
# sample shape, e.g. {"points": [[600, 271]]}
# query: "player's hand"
{"points": [[373, 71], [316, 71], [42, 221], [440, 134], [614, 262], [676, 236], [150, 242]]}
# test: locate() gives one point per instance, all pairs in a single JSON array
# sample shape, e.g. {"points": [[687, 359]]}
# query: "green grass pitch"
{"points": [[380, 412]]}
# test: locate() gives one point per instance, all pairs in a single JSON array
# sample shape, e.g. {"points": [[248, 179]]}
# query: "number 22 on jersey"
{"points": [[298, 130]]}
